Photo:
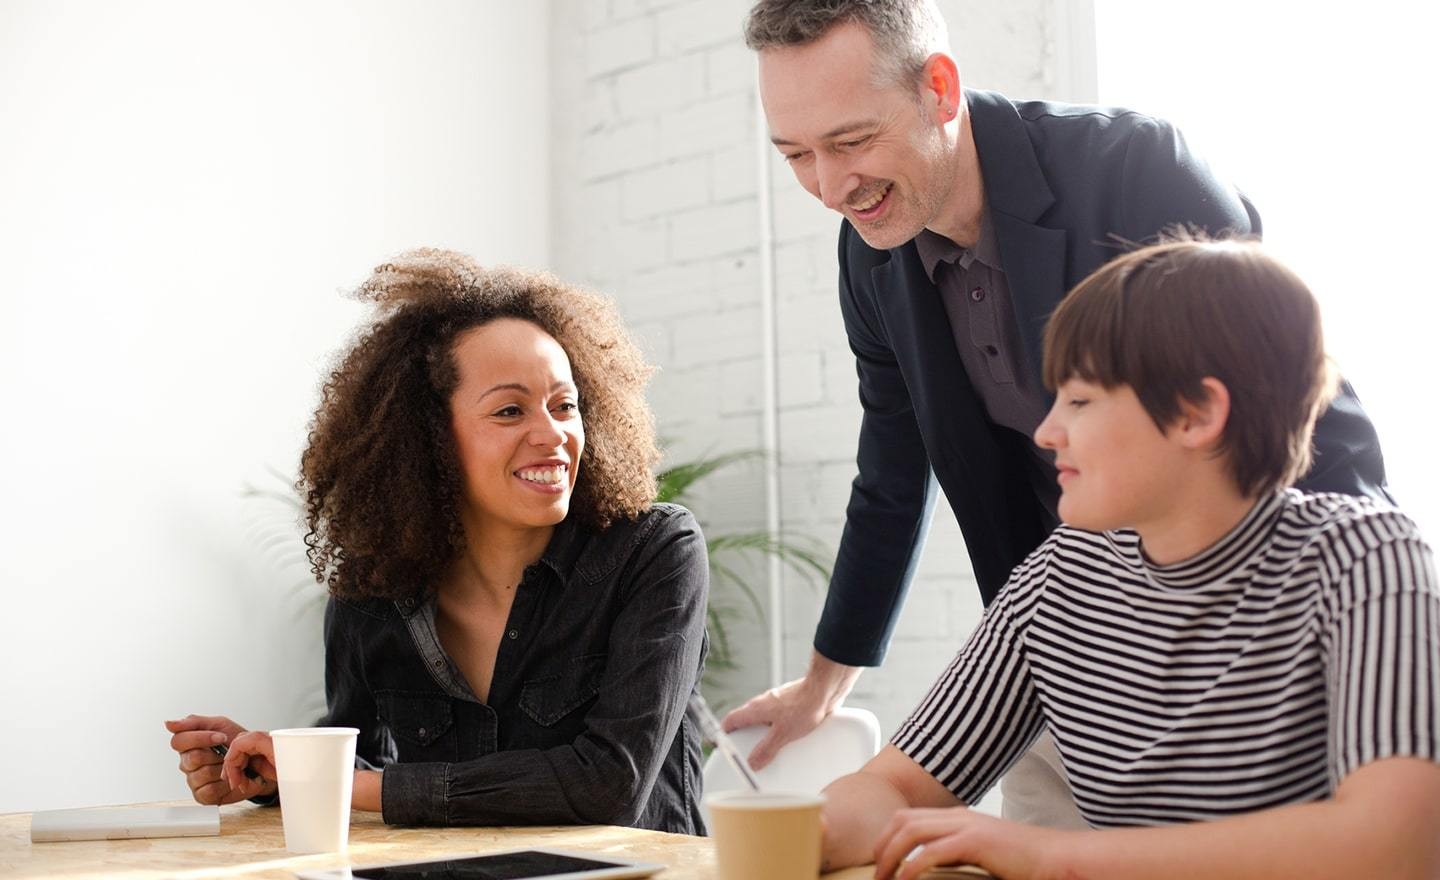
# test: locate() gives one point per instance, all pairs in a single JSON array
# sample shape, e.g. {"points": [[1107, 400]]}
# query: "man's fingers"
{"points": [[767, 748], [757, 710]]}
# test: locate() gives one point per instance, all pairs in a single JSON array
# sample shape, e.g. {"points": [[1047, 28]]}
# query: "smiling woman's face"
{"points": [[515, 417]]}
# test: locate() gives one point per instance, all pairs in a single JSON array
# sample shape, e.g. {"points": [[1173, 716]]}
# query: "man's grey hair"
{"points": [[905, 32]]}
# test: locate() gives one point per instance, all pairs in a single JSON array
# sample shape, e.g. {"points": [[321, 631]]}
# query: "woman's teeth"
{"points": [[550, 475]]}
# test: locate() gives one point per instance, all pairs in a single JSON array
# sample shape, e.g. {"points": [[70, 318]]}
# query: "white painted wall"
{"points": [[185, 189]]}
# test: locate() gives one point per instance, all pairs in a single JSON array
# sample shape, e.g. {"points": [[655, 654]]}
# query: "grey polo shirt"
{"points": [[972, 286]]}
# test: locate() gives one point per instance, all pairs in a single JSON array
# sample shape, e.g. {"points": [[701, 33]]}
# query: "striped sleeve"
{"points": [[983, 713], [1382, 650]]}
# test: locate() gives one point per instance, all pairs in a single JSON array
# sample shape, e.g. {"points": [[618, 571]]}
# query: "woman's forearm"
{"points": [[365, 793]]}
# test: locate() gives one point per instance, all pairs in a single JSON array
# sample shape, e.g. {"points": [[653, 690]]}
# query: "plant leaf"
{"points": [[675, 481]]}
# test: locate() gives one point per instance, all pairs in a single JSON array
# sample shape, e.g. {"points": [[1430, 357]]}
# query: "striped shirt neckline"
{"points": [[1216, 565]]}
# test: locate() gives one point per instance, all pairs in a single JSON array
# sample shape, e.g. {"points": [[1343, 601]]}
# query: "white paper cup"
{"points": [[766, 835], [316, 766]]}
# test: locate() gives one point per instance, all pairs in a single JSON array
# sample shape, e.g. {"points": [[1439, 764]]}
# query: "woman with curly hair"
{"points": [[513, 626]]}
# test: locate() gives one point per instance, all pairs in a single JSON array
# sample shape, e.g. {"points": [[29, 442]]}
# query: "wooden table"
{"points": [[252, 844]]}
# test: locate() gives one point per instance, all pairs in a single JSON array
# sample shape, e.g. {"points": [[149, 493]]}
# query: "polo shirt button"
{"points": [[977, 295], [420, 732], [514, 634]]}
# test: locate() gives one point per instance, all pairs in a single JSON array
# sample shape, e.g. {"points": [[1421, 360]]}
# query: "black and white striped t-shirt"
{"points": [[1299, 647]]}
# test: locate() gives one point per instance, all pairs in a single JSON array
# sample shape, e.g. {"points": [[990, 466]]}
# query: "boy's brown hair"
{"points": [[1163, 318]]}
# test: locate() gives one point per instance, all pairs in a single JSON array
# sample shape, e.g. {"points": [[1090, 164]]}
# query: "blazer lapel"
{"points": [[1018, 195], [946, 404], [1034, 262], [919, 329]]}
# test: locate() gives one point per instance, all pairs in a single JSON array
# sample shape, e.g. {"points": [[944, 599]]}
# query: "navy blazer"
{"points": [[1068, 187]]}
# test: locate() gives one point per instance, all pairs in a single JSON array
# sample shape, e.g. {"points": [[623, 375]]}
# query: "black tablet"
{"points": [[520, 864]]}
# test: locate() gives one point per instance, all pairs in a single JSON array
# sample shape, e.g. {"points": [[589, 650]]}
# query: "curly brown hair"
{"points": [[380, 476]]}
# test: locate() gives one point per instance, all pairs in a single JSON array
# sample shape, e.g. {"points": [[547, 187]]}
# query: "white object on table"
{"points": [[840, 745], [120, 823]]}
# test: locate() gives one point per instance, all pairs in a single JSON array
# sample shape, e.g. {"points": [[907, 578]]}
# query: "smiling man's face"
{"points": [[877, 153]]}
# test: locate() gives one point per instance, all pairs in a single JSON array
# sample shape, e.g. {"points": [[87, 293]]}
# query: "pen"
{"points": [[716, 733], [222, 750]]}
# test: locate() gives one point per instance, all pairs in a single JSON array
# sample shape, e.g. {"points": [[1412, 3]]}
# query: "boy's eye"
{"points": [[1077, 402], [792, 158]]}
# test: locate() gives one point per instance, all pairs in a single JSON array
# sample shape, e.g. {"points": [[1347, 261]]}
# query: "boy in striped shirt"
{"points": [[1242, 680]]}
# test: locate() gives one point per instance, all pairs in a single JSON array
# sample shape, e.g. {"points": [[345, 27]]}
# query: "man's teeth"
{"points": [[543, 475], [873, 200]]}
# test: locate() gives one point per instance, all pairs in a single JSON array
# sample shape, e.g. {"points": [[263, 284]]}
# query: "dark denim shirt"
{"points": [[587, 720]]}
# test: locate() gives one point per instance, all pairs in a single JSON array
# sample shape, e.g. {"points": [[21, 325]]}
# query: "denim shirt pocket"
{"points": [[549, 698], [418, 721]]}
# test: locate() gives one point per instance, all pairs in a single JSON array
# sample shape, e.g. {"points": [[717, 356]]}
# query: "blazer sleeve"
{"points": [[891, 500], [1168, 186], [1165, 187], [605, 776]]}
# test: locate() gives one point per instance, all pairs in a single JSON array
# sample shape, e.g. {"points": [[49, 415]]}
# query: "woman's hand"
{"points": [[917, 840], [207, 774]]}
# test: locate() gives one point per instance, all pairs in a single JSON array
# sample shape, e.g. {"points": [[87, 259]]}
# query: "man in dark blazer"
{"points": [[967, 217]]}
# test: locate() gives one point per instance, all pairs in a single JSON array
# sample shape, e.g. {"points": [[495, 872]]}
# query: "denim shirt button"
{"points": [[439, 664]]}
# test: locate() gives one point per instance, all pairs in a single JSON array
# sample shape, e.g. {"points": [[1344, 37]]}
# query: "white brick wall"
{"points": [[655, 202]]}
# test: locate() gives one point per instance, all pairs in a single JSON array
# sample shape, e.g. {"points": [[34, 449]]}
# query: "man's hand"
{"points": [[794, 708]]}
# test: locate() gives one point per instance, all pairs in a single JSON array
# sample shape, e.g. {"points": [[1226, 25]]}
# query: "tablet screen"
{"points": [[501, 866]]}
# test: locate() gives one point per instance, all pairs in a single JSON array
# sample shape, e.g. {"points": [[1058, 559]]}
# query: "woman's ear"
{"points": [[1202, 422]]}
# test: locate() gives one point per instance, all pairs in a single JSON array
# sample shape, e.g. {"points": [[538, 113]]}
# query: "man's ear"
{"points": [[940, 87], [1202, 422]]}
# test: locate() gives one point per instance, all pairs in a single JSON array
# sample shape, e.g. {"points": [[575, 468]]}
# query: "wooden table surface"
{"points": [[252, 844]]}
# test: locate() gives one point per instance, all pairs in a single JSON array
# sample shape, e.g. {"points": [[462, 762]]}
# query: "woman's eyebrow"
{"points": [[505, 386], [525, 389]]}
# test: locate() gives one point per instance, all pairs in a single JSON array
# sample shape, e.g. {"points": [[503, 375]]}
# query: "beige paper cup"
{"points": [[766, 835], [316, 769]]}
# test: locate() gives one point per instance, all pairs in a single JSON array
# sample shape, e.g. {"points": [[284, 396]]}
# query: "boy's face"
{"points": [[1116, 468]]}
